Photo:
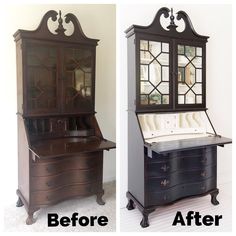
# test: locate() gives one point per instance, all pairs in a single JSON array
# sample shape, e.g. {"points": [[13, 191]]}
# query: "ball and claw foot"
{"points": [[19, 203], [144, 222], [130, 205], [214, 201], [100, 200], [30, 220]]}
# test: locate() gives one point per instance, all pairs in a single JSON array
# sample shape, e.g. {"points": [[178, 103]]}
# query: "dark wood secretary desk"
{"points": [[172, 143], [60, 144]]}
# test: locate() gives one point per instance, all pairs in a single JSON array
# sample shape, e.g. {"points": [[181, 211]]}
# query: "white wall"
{"points": [[214, 21], [97, 21]]}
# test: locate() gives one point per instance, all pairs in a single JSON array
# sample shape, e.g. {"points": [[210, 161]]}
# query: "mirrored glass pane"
{"points": [[145, 57], [154, 48], [180, 49], [182, 61], [190, 52], [197, 88], [155, 97], [182, 88], [199, 99], [164, 88], [181, 74], [180, 99], [143, 72], [197, 62], [165, 99], [143, 44], [190, 97], [165, 47], [189, 74], [199, 52], [198, 75], [145, 87], [144, 99], [165, 73], [155, 73], [163, 59]]}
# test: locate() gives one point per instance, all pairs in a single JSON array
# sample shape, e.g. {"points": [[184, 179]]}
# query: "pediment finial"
{"points": [[172, 20], [60, 29]]}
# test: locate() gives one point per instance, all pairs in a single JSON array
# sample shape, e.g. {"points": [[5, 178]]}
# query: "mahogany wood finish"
{"points": [[60, 144], [162, 173]]}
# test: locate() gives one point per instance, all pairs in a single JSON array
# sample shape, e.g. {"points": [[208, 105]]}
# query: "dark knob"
{"points": [[49, 169], [203, 187], [165, 197], [59, 122], [49, 183], [204, 160]]}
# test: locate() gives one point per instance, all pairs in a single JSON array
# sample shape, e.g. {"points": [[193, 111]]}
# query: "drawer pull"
{"points": [[165, 182], [49, 183], [48, 198], [165, 197], [49, 169], [203, 174], [165, 168], [204, 160], [203, 187]]}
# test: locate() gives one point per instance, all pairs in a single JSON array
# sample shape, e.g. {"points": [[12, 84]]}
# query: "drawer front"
{"points": [[200, 152], [54, 196], [59, 165], [67, 178], [178, 192], [158, 169], [180, 177]]}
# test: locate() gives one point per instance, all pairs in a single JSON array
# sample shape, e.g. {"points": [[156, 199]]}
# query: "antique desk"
{"points": [[172, 143], [60, 145]]}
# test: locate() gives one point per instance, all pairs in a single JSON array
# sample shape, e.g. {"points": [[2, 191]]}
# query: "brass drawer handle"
{"points": [[203, 174], [165, 182], [165, 168]]}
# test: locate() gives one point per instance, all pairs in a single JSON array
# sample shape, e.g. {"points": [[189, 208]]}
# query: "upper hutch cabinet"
{"points": [[59, 78], [170, 65], [60, 144]]}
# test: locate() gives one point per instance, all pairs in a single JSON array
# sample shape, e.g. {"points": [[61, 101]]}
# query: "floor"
{"points": [[162, 218], [15, 216]]}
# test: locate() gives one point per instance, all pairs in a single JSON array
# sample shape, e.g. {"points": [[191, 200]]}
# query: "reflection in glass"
{"points": [[145, 57], [155, 73], [165, 47], [164, 87], [154, 48], [143, 44], [190, 52], [155, 97], [165, 73], [163, 58], [145, 87], [143, 72], [189, 74]]}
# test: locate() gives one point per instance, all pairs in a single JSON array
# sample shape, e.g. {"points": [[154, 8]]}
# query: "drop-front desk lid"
{"points": [[69, 146], [185, 144]]}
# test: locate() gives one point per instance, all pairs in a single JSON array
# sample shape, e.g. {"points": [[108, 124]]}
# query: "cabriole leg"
{"points": [[144, 222], [99, 198], [214, 194], [30, 220], [130, 205], [19, 203]]}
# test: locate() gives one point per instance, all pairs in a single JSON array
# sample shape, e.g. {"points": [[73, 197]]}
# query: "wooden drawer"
{"points": [[59, 165], [179, 177], [62, 193], [179, 191], [67, 178], [165, 168]]}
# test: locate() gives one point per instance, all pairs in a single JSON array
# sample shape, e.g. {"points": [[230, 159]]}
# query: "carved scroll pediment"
{"points": [[43, 31], [172, 29]]}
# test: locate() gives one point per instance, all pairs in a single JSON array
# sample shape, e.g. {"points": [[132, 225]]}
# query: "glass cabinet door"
{"points": [[78, 79], [154, 85], [42, 66], [190, 74]]}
